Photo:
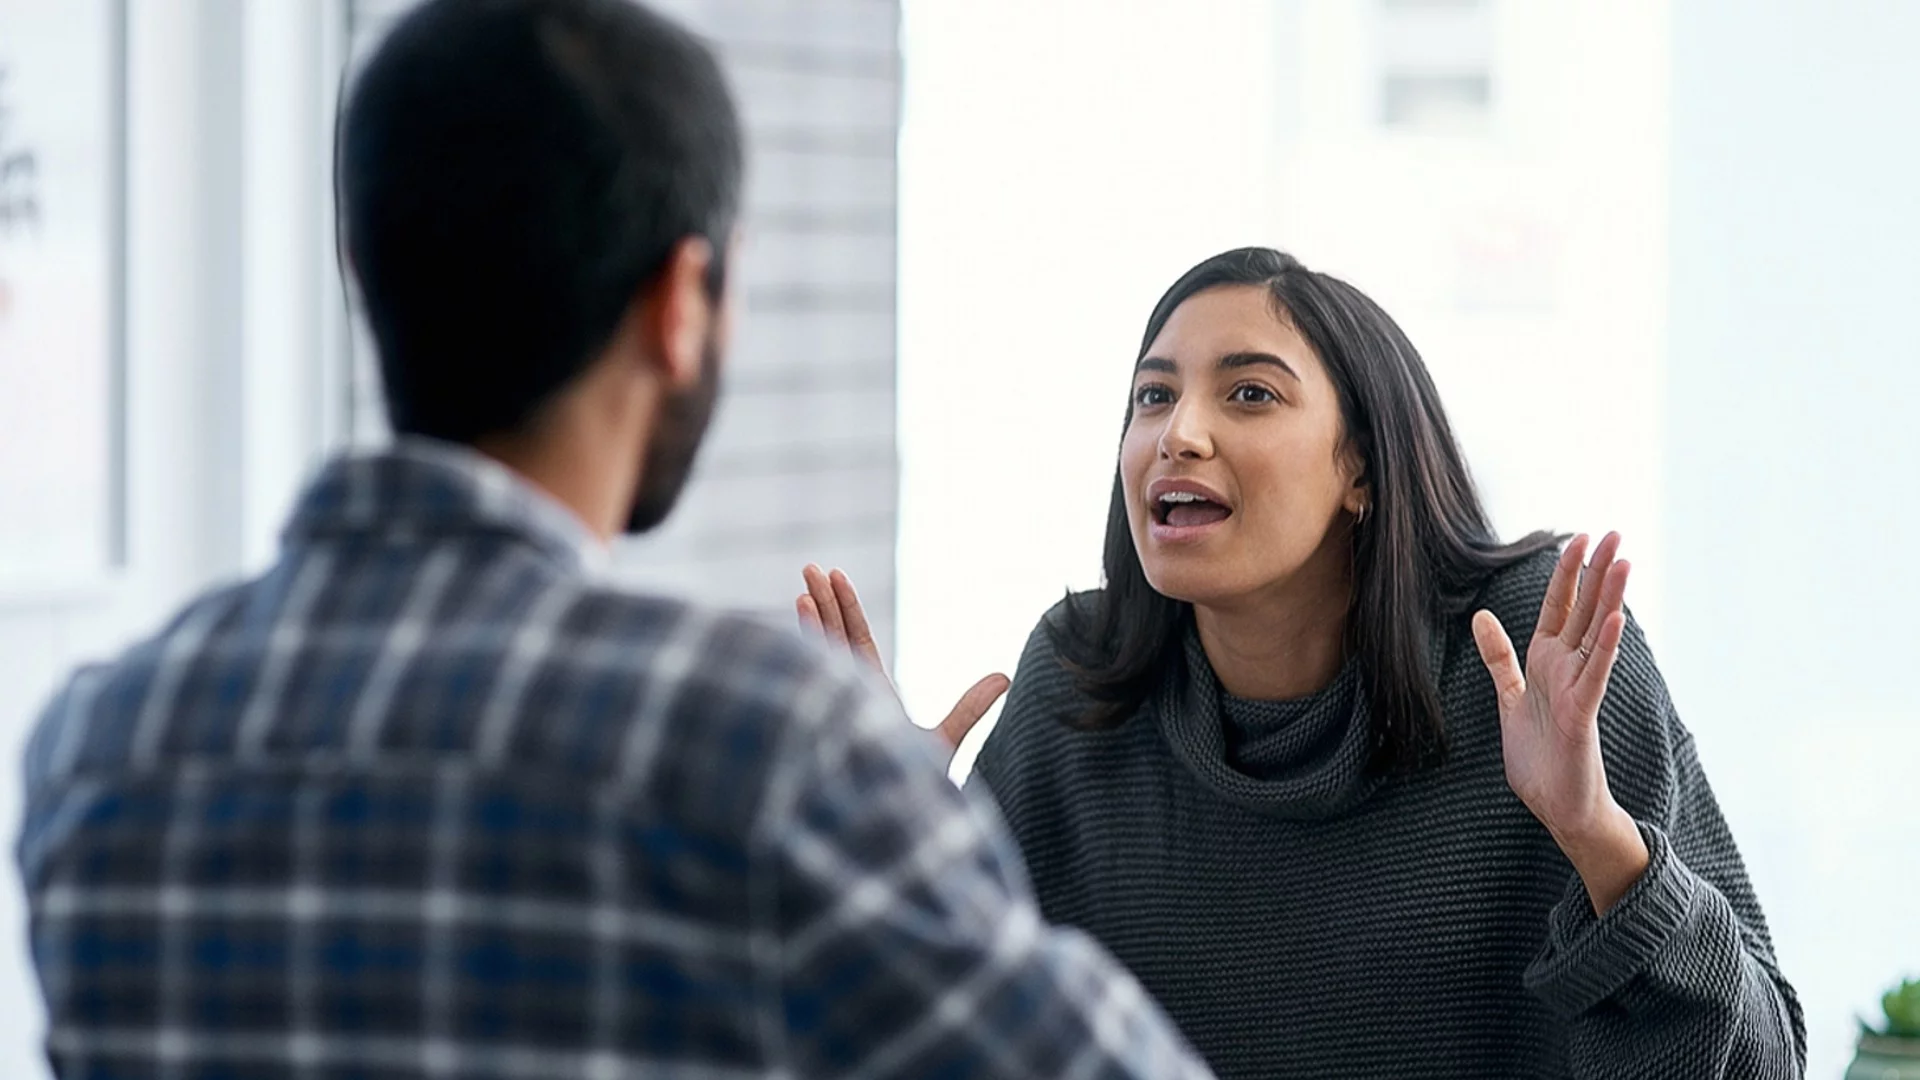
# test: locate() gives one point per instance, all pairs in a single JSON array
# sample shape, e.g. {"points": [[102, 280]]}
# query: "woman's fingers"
{"points": [[1596, 655], [1591, 685], [853, 616], [1613, 595], [1582, 620], [1558, 605], [825, 603], [972, 706], [1496, 651], [808, 612]]}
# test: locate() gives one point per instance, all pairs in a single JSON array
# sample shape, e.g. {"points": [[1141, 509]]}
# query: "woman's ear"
{"points": [[1353, 469], [1359, 503]]}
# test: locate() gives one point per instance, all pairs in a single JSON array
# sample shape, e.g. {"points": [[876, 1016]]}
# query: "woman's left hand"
{"points": [[1550, 717]]}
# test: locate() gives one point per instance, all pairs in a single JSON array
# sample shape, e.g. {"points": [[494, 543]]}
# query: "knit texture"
{"points": [[1298, 917]]}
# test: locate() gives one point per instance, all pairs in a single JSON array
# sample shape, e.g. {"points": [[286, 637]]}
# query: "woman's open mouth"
{"points": [[1180, 514]]}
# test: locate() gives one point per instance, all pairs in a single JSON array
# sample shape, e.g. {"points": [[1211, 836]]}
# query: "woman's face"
{"points": [[1234, 466]]}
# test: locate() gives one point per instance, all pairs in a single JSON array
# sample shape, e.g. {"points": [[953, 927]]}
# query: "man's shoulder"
{"points": [[564, 672], [66, 733], [652, 637], [702, 670]]}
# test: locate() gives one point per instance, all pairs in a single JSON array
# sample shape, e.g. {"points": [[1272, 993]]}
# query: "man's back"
{"points": [[425, 801]]}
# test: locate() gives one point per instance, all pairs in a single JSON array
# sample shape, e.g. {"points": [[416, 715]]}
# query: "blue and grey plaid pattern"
{"points": [[425, 800]]}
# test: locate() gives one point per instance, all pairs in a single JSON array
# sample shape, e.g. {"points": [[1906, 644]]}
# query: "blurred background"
{"points": [[1657, 253]]}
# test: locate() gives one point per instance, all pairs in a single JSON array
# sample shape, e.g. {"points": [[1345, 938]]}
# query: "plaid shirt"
{"points": [[424, 800]]}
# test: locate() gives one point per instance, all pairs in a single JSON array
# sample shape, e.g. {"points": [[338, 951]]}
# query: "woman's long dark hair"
{"points": [[1424, 551]]}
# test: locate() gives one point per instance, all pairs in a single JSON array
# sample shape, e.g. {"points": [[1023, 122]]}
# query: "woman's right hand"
{"points": [[831, 607]]}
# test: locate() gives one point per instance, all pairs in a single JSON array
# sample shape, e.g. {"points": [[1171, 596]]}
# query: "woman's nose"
{"points": [[1185, 435]]}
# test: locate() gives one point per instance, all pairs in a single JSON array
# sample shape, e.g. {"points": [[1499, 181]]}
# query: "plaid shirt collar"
{"points": [[423, 488]]}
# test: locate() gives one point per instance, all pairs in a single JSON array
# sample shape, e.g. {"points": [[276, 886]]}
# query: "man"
{"points": [[424, 800]]}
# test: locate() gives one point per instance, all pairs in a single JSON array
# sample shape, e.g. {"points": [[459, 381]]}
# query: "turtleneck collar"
{"points": [[1298, 759]]}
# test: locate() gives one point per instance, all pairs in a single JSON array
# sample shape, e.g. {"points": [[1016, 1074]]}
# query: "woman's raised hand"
{"points": [[831, 607], [1550, 716]]}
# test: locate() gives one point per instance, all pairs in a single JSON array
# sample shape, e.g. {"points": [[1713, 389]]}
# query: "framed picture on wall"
{"points": [[62, 65]]}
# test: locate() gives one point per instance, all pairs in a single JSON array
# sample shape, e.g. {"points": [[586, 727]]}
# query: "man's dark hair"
{"points": [[511, 175]]}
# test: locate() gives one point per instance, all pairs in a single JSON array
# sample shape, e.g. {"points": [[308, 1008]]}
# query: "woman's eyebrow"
{"points": [[1248, 359]]}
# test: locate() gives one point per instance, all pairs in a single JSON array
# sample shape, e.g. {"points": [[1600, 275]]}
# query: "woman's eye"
{"points": [[1148, 396], [1249, 394]]}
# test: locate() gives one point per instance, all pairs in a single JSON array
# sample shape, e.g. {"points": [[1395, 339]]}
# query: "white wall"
{"points": [[1792, 453], [1525, 260], [223, 300]]}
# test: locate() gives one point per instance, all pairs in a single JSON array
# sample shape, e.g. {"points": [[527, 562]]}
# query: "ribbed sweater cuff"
{"points": [[1587, 959]]}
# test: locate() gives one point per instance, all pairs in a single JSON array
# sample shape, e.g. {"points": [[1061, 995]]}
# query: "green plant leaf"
{"points": [[1902, 1006]]}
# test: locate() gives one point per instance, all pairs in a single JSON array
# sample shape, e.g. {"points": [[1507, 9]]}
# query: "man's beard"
{"points": [[676, 441]]}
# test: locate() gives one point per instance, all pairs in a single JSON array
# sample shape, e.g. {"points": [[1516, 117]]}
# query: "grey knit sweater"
{"points": [[1298, 918]]}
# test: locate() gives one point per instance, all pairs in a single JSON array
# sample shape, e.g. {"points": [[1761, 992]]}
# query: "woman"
{"points": [[1268, 768]]}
